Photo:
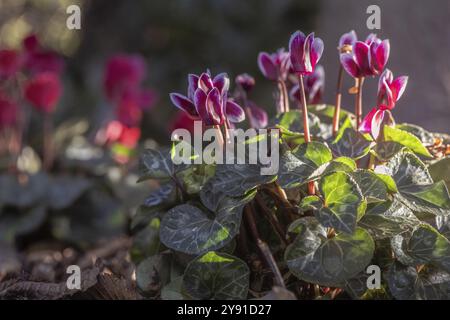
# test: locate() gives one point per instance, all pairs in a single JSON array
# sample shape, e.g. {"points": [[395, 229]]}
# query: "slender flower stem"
{"points": [[285, 95], [47, 141], [311, 188], [358, 102], [279, 230], [280, 102], [337, 109], [262, 246]]}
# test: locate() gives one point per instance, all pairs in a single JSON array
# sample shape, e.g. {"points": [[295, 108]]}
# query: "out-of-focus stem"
{"points": [[262, 246], [337, 108], [284, 95], [358, 102], [47, 141], [311, 188]]}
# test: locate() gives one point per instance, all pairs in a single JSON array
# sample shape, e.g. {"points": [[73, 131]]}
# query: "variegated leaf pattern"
{"points": [[328, 262], [352, 144], [192, 230], [344, 203], [217, 276]]}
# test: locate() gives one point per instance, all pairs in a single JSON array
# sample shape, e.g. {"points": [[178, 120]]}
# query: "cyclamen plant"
{"points": [[350, 192]]}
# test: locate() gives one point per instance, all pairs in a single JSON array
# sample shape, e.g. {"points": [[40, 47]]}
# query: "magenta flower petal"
{"points": [[222, 82], [183, 103], [234, 112], [398, 86], [245, 81], [214, 106], [371, 38], [361, 52], [267, 66], [297, 45], [258, 117], [192, 85], [205, 82], [200, 98], [349, 64], [372, 122], [316, 52], [348, 39], [379, 55]]}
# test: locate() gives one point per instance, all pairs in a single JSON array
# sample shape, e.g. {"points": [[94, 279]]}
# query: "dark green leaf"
{"points": [[237, 179], [406, 284], [153, 273], [14, 222], [30, 190], [352, 144], [328, 262], [344, 204], [216, 275], [440, 170], [372, 187], [173, 290], [146, 242], [64, 190], [192, 230], [157, 164]]}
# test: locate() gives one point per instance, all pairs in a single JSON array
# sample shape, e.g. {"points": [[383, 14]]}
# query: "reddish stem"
{"points": [[358, 102], [337, 109], [311, 188]]}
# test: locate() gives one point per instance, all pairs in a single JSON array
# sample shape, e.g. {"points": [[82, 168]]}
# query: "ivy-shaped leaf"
{"points": [[328, 262], [406, 139], [217, 276], [382, 226], [30, 190], [415, 185], [15, 223], [427, 244], [405, 283], [385, 150], [426, 137], [192, 230], [372, 187], [298, 165], [157, 164], [146, 242], [153, 273], [440, 170], [238, 179], [352, 144], [165, 195], [343, 204]]}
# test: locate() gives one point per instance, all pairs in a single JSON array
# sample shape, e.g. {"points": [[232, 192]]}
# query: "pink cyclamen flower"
{"points": [[123, 72], [314, 87], [347, 41], [208, 100], [245, 81], [10, 63], [43, 91], [389, 92], [305, 52], [368, 58], [274, 66], [258, 116], [8, 111], [38, 60], [389, 89]]}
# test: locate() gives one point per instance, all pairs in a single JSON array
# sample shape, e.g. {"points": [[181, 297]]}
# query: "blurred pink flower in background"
{"points": [[43, 91], [8, 111], [38, 59], [10, 62]]}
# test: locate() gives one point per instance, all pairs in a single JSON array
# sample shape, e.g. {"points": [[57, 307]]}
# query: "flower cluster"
{"points": [[208, 100], [365, 58], [122, 83]]}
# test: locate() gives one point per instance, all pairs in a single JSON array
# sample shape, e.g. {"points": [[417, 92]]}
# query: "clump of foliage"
{"points": [[350, 192]]}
